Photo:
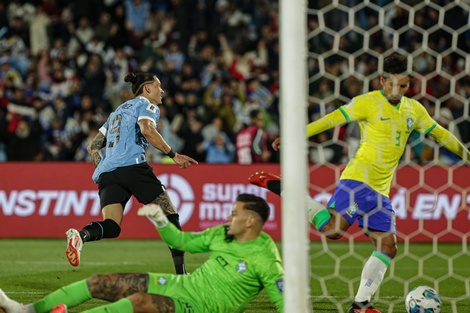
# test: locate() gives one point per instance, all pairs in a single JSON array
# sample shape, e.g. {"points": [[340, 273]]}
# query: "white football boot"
{"points": [[74, 246]]}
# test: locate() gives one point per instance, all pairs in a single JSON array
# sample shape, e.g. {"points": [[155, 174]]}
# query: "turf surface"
{"points": [[31, 268]]}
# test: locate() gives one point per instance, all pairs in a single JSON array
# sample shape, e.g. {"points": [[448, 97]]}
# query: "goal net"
{"points": [[347, 42]]}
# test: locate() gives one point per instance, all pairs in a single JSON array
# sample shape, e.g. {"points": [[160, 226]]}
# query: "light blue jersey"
{"points": [[125, 144]]}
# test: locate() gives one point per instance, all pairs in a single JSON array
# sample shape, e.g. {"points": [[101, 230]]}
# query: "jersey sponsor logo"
{"points": [[385, 118], [152, 108], [280, 285], [242, 266]]}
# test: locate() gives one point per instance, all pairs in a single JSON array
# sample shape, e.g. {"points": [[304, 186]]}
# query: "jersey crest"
{"points": [[242, 266], [352, 210], [161, 280], [409, 123]]}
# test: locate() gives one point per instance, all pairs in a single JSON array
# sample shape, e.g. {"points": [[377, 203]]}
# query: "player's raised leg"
{"points": [[318, 215], [266, 180], [109, 227]]}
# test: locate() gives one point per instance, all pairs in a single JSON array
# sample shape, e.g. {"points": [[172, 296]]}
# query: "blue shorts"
{"points": [[355, 200]]}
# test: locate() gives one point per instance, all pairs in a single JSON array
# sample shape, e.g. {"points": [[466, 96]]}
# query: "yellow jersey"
{"points": [[385, 129]]}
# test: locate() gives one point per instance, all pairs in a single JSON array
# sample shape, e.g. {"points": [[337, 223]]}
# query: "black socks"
{"points": [[110, 229], [99, 230], [274, 186], [178, 256]]}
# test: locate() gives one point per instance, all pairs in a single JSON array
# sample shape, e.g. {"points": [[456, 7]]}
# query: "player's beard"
{"points": [[228, 238], [393, 102]]}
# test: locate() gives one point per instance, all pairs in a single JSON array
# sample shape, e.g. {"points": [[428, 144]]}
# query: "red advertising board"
{"points": [[45, 199]]}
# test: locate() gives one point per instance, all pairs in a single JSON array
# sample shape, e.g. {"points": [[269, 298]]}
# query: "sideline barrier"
{"points": [[45, 199]]}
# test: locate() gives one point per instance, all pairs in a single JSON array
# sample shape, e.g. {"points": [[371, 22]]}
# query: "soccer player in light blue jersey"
{"points": [[386, 119], [118, 153], [243, 261]]}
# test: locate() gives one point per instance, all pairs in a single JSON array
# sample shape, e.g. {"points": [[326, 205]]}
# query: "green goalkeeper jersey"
{"points": [[232, 276]]}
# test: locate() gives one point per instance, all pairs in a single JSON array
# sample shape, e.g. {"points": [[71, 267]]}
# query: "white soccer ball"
{"points": [[423, 299]]}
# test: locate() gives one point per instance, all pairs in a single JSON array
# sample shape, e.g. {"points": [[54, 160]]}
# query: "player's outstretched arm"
{"points": [[450, 142], [147, 127], [333, 119], [181, 240], [183, 160]]}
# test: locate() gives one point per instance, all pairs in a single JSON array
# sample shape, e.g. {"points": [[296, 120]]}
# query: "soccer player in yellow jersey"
{"points": [[386, 119]]}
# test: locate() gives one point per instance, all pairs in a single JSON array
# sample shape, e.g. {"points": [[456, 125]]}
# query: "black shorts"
{"points": [[119, 185]]}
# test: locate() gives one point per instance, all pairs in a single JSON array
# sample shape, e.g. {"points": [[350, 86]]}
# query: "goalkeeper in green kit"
{"points": [[243, 261]]}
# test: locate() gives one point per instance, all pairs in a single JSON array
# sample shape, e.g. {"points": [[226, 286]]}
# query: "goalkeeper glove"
{"points": [[155, 213]]}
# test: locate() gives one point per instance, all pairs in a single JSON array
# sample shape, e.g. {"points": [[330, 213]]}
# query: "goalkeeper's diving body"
{"points": [[386, 119], [243, 261]]}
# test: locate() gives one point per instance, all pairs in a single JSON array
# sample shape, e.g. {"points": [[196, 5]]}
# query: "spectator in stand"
{"points": [[44, 114], [210, 130], [258, 93], [225, 109], [192, 136], [220, 149], [175, 56], [221, 43], [103, 28], [23, 143], [164, 128], [252, 144], [18, 109], [3, 123], [7, 71], [95, 81], [119, 35], [38, 30], [80, 35], [81, 154], [63, 139], [137, 13]]}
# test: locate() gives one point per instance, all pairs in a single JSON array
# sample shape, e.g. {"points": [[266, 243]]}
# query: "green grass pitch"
{"points": [[31, 268]]}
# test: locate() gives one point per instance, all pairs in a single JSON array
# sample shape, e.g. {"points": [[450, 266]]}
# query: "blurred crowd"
{"points": [[62, 68], [437, 43]]}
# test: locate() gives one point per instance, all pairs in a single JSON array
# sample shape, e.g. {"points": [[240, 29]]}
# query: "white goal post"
{"points": [[293, 101]]}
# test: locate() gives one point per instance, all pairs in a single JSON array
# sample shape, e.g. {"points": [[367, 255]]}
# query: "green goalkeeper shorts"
{"points": [[177, 287]]}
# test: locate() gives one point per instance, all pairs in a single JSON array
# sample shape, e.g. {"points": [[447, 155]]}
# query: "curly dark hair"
{"points": [[395, 64]]}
